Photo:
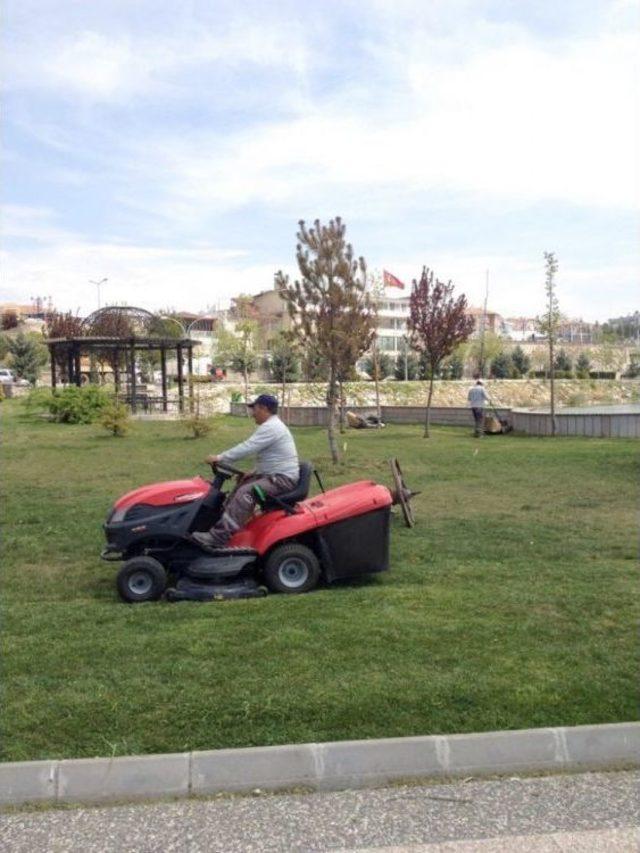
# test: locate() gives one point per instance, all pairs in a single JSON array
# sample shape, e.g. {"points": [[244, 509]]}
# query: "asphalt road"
{"points": [[584, 812]]}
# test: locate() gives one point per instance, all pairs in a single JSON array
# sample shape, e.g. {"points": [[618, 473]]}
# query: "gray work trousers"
{"points": [[242, 501]]}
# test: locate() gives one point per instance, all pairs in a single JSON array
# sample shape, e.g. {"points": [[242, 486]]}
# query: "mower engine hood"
{"points": [[164, 494]]}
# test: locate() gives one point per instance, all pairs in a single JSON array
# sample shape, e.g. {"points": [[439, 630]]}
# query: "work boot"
{"points": [[205, 540]]}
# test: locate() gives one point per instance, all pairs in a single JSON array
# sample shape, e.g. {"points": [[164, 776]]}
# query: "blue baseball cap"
{"points": [[266, 400]]}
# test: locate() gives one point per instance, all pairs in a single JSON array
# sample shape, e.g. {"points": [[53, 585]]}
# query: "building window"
{"points": [[387, 344]]}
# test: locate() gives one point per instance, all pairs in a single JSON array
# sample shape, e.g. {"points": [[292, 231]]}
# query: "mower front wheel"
{"points": [[141, 579], [292, 568]]}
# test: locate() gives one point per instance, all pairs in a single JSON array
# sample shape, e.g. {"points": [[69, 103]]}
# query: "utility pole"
{"points": [[97, 284], [483, 323]]}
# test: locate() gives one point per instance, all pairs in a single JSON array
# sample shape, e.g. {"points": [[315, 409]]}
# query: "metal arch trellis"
{"points": [[116, 333], [125, 321]]}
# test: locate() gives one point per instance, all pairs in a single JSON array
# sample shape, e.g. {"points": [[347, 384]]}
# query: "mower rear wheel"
{"points": [[141, 579], [292, 568]]}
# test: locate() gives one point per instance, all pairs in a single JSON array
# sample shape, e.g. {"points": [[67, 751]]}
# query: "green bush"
{"points": [[521, 362], [197, 425], [562, 362], [578, 399], [73, 405], [563, 374], [37, 400], [502, 366], [114, 417], [1, 394], [236, 397], [583, 366]]}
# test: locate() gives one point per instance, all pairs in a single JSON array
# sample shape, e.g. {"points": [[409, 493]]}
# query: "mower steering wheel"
{"points": [[223, 470]]}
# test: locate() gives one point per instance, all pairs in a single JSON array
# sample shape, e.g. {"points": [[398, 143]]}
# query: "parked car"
{"points": [[6, 375]]}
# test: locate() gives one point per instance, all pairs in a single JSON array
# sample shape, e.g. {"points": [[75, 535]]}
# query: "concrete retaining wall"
{"points": [[617, 425], [323, 766], [318, 415]]}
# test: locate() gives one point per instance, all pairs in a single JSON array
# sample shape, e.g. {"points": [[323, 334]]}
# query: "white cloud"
{"points": [[61, 263], [513, 122], [117, 66]]}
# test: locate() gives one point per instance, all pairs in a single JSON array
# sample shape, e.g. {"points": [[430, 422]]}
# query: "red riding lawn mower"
{"points": [[290, 545]]}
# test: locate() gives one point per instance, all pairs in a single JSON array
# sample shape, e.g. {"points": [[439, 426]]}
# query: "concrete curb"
{"points": [[324, 766]]}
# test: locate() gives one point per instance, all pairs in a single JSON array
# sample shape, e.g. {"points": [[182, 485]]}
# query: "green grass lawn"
{"points": [[511, 604]]}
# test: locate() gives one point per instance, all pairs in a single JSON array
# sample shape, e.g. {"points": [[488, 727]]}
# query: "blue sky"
{"points": [[172, 147]]}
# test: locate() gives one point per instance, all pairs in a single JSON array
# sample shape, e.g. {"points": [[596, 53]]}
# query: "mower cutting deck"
{"points": [[289, 546]]}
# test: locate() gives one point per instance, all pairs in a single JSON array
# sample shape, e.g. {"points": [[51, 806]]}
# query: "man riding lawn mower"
{"points": [[217, 548]]}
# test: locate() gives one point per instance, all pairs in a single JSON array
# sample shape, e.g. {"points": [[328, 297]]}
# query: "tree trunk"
{"points": [[428, 409], [246, 389], [284, 392], [343, 406], [552, 380], [331, 427], [376, 379]]}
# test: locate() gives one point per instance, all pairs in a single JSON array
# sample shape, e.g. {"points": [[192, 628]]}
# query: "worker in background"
{"points": [[477, 398]]}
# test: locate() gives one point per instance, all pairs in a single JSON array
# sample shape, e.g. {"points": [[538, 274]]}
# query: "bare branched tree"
{"points": [[330, 306], [549, 325]]}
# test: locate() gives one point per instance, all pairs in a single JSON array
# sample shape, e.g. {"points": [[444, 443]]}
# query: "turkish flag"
{"points": [[391, 281]]}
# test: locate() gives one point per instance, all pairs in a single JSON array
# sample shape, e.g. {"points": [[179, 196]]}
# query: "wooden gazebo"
{"points": [[116, 334]]}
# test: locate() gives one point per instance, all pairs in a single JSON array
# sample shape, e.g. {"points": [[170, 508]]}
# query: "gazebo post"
{"points": [[163, 368], [77, 365], [132, 367], [69, 365], [180, 378], [116, 370], [52, 353], [190, 363]]}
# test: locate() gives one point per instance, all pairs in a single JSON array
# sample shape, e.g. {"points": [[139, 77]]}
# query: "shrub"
{"points": [[502, 366], [562, 362], [197, 425], [578, 399], [633, 370], [73, 405], [563, 374], [521, 362], [9, 319], [413, 367], [38, 400], [1, 394], [453, 368], [236, 397], [28, 356], [385, 366], [114, 418], [583, 365], [602, 374]]}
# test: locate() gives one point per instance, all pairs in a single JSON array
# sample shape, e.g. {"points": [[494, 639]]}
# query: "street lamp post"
{"points": [[97, 284]]}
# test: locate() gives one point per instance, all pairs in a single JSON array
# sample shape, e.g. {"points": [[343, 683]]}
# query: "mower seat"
{"points": [[288, 500]]}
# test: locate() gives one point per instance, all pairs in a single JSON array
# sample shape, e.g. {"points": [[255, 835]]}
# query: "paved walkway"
{"points": [[585, 812]]}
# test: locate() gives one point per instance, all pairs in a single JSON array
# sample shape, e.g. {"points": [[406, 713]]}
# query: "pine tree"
{"points": [[330, 306], [521, 361], [27, 356]]}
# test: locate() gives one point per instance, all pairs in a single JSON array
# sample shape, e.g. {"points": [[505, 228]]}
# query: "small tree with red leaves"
{"points": [[59, 324], [438, 323]]}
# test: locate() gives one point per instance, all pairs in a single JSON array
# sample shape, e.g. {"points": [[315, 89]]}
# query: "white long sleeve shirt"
{"points": [[274, 447]]}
